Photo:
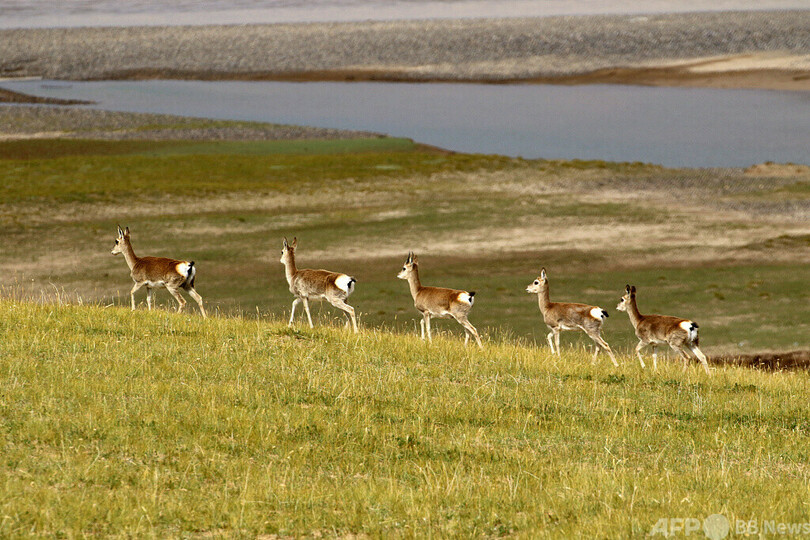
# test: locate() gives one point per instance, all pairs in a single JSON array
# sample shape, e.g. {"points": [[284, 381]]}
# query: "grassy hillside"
{"points": [[722, 247], [158, 424]]}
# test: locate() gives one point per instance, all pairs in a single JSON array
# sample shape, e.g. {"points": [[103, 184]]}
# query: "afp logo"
{"points": [[715, 527]]}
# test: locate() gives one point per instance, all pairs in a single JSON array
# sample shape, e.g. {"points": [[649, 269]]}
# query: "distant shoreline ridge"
{"points": [[766, 50]]}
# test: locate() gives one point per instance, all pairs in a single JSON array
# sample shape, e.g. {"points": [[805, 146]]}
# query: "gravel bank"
{"points": [[25, 122], [456, 50]]}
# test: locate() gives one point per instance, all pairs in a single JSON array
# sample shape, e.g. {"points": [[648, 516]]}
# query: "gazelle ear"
{"points": [[409, 258], [120, 232], [126, 231], [285, 242], [414, 258], [295, 242], [543, 273], [633, 289], [627, 289]]}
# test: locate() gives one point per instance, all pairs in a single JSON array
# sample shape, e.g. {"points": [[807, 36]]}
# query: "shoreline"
{"points": [[660, 76], [763, 50], [9, 96]]}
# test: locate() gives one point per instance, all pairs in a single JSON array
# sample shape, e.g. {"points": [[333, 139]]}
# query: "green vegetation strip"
{"points": [[157, 424], [91, 171], [56, 148]]}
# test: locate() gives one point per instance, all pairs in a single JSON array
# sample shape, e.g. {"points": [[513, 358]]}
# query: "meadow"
{"points": [[157, 424], [120, 423]]}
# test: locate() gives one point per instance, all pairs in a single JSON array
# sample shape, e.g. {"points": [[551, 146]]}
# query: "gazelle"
{"points": [[560, 316], [157, 272], [439, 301], [308, 285], [659, 329]]}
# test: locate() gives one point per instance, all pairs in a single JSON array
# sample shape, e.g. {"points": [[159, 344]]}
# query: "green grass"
{"points": [[133, 424], [297, 147], [54, 149], [156, 424], [184, 168], [396, 194]]}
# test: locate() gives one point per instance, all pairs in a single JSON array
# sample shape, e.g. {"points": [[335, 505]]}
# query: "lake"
{"points": [[691, 127]]}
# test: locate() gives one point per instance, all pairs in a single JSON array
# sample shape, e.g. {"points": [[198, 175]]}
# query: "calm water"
{"points": [[63, 13], [671, 126]]}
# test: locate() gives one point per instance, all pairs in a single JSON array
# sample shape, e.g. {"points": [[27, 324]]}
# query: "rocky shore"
{"points": [[746, 49]]}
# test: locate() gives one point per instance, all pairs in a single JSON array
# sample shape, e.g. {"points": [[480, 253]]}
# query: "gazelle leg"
{"points": [[600, 342], [470, 330], [638, 353], [427, 324], [340, 304], [683, 355], [292, 312], [550, 338], [133, 291], [149, 293], [180, 302], [422, 326], [701, 357], [655, 356], [306, 308], [557, 340], [197, 298]]}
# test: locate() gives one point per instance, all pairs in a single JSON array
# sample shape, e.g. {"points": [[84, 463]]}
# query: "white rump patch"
{"points": [[345, 283], [466, 298], [182, 269], [691, 332], [598, 313]]}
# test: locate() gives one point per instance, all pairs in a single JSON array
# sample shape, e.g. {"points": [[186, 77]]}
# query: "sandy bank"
{"points": [[732, 49]]}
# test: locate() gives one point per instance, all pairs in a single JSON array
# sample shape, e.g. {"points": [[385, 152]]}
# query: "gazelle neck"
{"points": [[289, 267], [413, 282], [129, 254], [543, 299], [633, 312]]}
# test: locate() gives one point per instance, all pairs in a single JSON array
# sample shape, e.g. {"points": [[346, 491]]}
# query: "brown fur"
{"points": [[659, 329], [560, 316], [307, 284], [438, 302], [156, 272]]}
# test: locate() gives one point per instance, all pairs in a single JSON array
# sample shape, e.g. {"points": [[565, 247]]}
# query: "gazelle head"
{"points": [[629, 294], [288, 251], [538, 285], [123, 239], [408, 268]]}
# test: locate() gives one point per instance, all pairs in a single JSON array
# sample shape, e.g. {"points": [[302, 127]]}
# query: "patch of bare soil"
{"points": [[777, 170], [771, 361], [26, 136]]}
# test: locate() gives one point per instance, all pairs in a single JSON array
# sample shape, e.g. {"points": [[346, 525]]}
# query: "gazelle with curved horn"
{"points": [[438, 301], [655, 330], [308, 285], [157, 272], [560, 316]]}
